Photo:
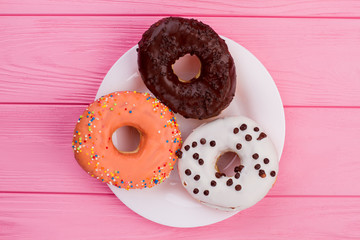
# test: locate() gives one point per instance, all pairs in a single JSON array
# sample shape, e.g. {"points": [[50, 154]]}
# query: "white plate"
{"points": [[256, 97]]}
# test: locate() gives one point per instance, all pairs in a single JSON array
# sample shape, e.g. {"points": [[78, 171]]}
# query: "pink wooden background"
{"points": [[54, 55]]}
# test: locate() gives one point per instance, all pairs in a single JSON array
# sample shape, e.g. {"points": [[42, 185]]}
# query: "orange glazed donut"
{"points": [[153, 160]]}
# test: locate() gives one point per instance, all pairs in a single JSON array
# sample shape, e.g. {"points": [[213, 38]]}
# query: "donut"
{"points": [[251, 179], [208, 93], [148, 165]]}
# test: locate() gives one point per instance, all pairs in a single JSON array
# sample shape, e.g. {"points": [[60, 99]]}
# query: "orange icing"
{"points": [[155, 157]]}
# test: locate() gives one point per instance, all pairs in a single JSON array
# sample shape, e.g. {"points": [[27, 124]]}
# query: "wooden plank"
{"points": [[320, 155], [296, 8], [36, 143], [39, 216], [64, 59]]}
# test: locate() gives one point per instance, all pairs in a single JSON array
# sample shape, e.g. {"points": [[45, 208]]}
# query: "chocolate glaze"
{"points": [[171, 38]]}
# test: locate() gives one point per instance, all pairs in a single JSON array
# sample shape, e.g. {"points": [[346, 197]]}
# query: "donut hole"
{"points": [[187, 67], [227, 162], [126, 139]]}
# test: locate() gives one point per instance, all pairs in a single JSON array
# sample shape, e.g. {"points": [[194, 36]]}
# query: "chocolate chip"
{"points": [[179, 153], [238, 146], [196, 191], [197, 177], [188, 172], [266, 160], [238, 187], [229, 182], [212, 143], [185, 184], [201, 161], [273, 173], [218, 175], [187, 147], [255, 156], [248, 137], [262, 173], [213, 183], [261, 136], [256, 129], [196, 156], [203, 141], [236, 130], [257, 166], [206, 192], [223, 174], [194, 144], [237, 175], [238, 168], [243, 127]]}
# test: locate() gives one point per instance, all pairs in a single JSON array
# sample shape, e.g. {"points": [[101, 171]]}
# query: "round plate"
{"points": [[256, 97]]}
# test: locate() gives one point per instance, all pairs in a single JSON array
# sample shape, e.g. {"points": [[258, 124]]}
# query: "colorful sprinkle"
{"points": [[87, 143]]}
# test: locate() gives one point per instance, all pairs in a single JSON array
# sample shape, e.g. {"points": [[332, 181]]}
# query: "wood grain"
{"points": [[314, 62], [295, 8], [105, 217], [54, 55], [320, 154]]}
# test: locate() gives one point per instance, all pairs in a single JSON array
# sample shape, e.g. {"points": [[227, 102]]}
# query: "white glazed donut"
{"points": [[250, 182]]}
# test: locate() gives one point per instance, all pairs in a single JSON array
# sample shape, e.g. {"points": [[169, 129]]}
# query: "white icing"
{"points": [[223, 197]]}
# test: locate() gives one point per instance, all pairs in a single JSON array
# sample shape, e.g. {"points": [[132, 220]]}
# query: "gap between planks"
{"points": [[305, 8], [86, 104], [110, 193], [166, 15]]}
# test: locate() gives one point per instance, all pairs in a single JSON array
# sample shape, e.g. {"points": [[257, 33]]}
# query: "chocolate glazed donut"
{"points": [[205, 95]]}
